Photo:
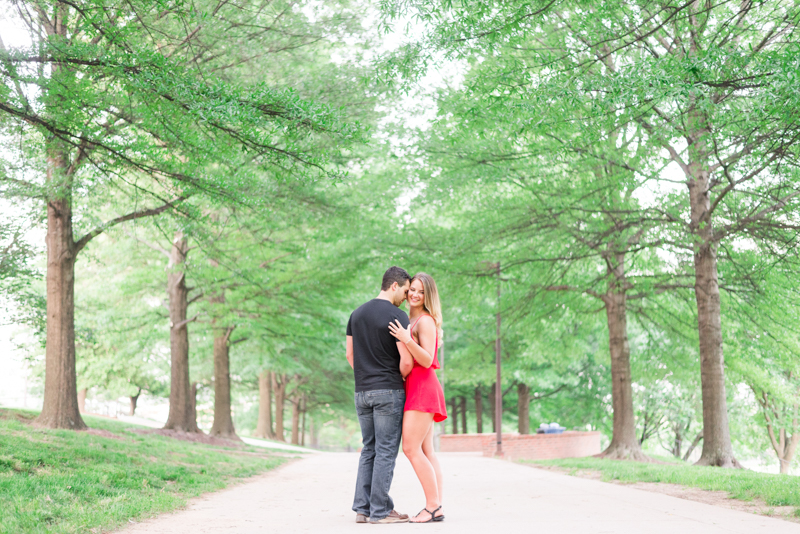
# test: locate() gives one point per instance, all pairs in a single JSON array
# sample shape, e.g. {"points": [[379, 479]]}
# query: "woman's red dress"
{"points": [[423, 391]]}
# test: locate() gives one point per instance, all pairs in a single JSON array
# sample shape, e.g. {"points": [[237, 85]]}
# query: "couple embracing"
{"points": [[393, 356]]}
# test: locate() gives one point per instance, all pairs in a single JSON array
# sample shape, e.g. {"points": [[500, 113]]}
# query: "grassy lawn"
{"points": [[59, 481], [774, 490]]}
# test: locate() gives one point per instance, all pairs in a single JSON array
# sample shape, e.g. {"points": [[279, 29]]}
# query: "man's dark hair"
{"points": [[394, 274]]}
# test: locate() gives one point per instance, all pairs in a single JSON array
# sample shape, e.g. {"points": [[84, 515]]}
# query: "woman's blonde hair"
{"points": [[431, 303]]}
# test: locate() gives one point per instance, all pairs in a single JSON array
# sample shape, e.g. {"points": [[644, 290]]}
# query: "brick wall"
{"points": [[463, 442], [532, 446]]}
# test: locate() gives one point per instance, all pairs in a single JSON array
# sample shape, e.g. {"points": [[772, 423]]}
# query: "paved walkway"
{"points": [[482, 495], [277, 445], [267, 444]]}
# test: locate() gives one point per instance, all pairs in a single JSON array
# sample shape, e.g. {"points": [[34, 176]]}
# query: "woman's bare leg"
{"points": [[430, 454], [415, 428]]}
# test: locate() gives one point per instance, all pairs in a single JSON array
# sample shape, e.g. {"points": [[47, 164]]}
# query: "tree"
{"points": [[264, 428], [685, 73], [181, 401], [223, 420], [765, 349], [182, 415], [116, 113], [121, 333], [568, 216], [782, 418]]}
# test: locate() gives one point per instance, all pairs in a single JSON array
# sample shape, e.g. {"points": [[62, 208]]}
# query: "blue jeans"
{"points": [[380, 414]]}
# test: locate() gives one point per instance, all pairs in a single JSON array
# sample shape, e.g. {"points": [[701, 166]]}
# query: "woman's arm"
{"points": [[422, 351]]}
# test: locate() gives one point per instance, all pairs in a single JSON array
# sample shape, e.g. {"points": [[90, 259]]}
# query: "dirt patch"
{"points": [[194, 437], [714, 498]]}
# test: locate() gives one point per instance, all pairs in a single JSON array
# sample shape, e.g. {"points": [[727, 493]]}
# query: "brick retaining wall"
{"points": [[464, 442], [570, 444]]}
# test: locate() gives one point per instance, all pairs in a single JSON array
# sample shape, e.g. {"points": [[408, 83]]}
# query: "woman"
{"points": [[425, 403]]}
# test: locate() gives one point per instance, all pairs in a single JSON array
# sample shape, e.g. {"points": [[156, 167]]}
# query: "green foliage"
{"points": [[179, 107], [560, 150], [121, 333], [564, 152]]}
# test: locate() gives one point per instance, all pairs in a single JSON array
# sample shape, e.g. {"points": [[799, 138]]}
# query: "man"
{"points": [[374, 354]]}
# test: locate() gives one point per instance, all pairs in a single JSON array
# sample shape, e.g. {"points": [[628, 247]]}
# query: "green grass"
{"points": [[60, 481], [774, 490]]}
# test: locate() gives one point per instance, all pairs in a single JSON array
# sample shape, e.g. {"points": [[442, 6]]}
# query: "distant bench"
{"points": [[570, 444]]}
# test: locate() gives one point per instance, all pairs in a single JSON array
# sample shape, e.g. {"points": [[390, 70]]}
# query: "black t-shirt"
{"points": [[376, 360]]}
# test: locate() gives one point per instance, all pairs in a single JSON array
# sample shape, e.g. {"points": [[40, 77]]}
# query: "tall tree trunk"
{"points": [[279, 383], [680, 431], [793, 442], [296, 420], [677, 442], [264, 425], [717, 448], [193, 402], [303, 423], [134, 401], [785, 447], [223, 419], [624, 443], [789, 449], [60, 407], [463, 410], [492, 407], [82, 400], [181, 416], [523, 408], [312, 429], [478, 410], [454, 415]]}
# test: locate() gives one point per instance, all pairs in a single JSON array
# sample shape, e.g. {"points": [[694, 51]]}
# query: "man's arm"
{"points": [[406, 359], [349, 350]]}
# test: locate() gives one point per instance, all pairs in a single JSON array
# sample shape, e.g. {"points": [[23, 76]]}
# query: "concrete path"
{"points": [[482, 496], [277, 445], [267, 444]]}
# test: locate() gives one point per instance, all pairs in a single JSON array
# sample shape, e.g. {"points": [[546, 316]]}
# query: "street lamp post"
{"points": [[498, 390], [443, 427]]}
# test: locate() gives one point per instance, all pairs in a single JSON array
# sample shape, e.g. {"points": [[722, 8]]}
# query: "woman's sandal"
{"points": [[433, 517]]}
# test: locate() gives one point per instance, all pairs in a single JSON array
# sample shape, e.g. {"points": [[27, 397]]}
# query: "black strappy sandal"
{"points": [[433, 516]]}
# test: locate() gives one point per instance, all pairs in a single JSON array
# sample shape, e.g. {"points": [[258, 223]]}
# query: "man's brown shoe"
{"points": [[393, 517], [361, 518]]}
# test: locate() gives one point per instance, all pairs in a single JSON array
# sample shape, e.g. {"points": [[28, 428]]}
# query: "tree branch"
{"points": [[83, 241], [733, 228], [185, 322]]}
